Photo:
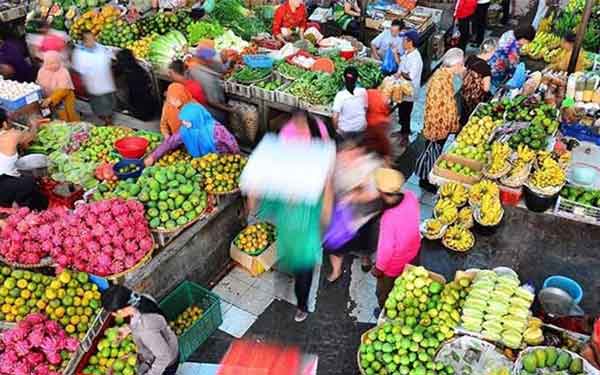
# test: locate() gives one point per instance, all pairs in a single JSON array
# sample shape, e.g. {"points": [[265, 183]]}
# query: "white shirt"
{"points": [[94, 65], [412, 64], [352, 110]]}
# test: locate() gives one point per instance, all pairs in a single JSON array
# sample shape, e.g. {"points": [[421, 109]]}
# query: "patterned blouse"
{"points": [[505, 60], [441, 113]]}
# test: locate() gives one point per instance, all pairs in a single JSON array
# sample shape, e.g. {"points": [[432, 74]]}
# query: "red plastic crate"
{"points": [[247, 357], [510, 196]]}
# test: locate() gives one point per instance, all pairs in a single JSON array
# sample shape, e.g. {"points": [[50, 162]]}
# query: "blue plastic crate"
{"points": [[258, 61], [14, 105]]}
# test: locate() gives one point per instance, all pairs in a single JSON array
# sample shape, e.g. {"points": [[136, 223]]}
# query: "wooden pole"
{"points": [[587, 12]]}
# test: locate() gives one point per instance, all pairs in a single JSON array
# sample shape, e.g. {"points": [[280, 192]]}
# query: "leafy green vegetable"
{"points": [[203, 30], [315, 88], [247, 74], [290, 71], [167, 48], [233, 15]]}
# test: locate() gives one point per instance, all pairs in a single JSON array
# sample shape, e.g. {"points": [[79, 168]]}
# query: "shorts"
{"points": [[103, 105]]}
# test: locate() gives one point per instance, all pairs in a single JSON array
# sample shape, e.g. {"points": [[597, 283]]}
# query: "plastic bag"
{"points": [[518, 78], [340, 230], [389, 65]]}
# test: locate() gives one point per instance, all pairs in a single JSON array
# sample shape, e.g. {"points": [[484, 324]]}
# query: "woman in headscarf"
{"points": [[175, 98], [441, 113], [138, 85], [58, 88], [507, 56], [200, 133]]}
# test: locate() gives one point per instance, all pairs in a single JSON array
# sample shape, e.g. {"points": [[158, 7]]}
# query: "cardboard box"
{"points": [[255, 264], [451, 175], [435, 14]]}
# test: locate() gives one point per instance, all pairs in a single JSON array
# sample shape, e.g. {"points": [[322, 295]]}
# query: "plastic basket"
{"points": [[567, 284], [184, 296], [283, 97], [577, 211], [258, 61], [13, 105]]}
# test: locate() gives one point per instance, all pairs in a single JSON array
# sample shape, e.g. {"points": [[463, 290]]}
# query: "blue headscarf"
{"points": [[199, 137]]}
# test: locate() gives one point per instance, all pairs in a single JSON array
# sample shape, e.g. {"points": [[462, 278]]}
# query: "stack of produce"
{"points": [[472, 141], [13, 90], [481, 189], [581, 195], [36, 346], [26, 237], [51, 137], [119, 33], [220, 172], [498, 161], [103, 238], [551, 360], [171, 195], [457, 236], [196, 31], [21, 293], [289, 71], [93, 21], [164, 49], [315, 88], [269, 85], [154, 138], [114, 355], [174, 157], [548, 176], [489, 212], [141, 47], [520, 167], [229, 41], [100, 145], [497, 308], [424, 314], [369, 74], [255, 238], [544, 44], [186, 319], [233, 15], [248, 75]]}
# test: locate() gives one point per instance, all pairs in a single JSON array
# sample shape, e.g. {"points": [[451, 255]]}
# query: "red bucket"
{"points": [[131, 147]]}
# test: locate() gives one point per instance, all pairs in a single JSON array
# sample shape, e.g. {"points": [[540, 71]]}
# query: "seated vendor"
{"points": [[15, 188], [289, 18], [346, 13], [175, 98], [58, 88], [200, 133], [561, 62], [388, 39]]}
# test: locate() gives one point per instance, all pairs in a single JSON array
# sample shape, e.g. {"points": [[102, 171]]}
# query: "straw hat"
{"points": [[389, 181]]}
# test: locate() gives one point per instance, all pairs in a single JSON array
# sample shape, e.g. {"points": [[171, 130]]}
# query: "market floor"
{"points": [[330, 332]]}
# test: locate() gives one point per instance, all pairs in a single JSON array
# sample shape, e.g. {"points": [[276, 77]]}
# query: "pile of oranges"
{"points": [[255, 238]]}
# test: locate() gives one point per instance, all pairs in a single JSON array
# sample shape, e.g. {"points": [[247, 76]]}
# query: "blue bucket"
{"points": [[568, 285], [126, 162]]}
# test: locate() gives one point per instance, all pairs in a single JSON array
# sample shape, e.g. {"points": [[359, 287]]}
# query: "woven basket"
{"points": [[518, 179], [447, 246], [45, 262], [363, 338], [436, 237], [497, 175], [477, 217]]}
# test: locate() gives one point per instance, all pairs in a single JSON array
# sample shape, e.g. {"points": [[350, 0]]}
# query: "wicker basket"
{"points": [[423, 230], [518, 179], [447, 246], [45, 262], [363, 338], [497, 175], [477, 217], [587, 368]]}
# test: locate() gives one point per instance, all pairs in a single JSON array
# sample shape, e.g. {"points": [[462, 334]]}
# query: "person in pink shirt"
{"points": [[304, 126], [399, 238]]}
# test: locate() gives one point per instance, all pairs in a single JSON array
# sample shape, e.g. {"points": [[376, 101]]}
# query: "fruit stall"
{"points": [[479, 321]]}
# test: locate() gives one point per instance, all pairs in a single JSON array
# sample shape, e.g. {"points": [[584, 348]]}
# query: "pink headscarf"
{"points": [[53, 75]]}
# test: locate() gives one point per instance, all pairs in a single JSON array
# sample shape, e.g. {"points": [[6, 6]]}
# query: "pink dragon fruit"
{"points": [[21, 368], [145, 244], [131, 261], [117, 267], [35, 358]]}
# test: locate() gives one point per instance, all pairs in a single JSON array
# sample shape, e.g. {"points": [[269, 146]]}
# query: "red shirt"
{"points": [[196, 91], [378, 112], [285, 17]]}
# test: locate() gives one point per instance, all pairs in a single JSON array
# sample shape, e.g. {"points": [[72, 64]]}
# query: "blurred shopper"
{"points": [[175, 98], [388, 39], [505, 59], [177, 73], [13, 60], [478, 79], [199, 132], [156, 343], [463, 13], [94, 62], [303, 126], [355, 191], [399, 239], [140, 102], [410, 68], [441, 113], [58, 88], [350, 106], [14, 187]]}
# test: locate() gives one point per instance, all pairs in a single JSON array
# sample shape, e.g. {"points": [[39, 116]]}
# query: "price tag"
{"points": [[31, 98]]}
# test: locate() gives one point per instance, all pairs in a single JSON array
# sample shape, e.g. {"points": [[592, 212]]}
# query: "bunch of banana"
{"points": [[433, 227], [445, 211], [546, 24], [553, 55], [465, 217], [454, 191], [458, 238], [542, 44], [490, 210], [499, 155], [483, 187], [542, 155], [549, 174], [533, 335], [564, 159], [525, 156]]}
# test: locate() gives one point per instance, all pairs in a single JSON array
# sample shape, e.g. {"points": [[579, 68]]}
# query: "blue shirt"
{"points": [[384, 40]]}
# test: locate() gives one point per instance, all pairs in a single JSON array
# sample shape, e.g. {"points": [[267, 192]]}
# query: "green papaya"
{"points": [[551, 356], [530, 362], [564, 361], [540, 356]]}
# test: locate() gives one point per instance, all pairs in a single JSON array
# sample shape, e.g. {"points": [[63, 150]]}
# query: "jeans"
{"points": [[464, 26], [302, 288]]}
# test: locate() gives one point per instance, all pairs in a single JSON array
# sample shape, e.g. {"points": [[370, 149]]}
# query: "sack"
{"points": [[340, 230], [389, 65], [518, 78]]}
